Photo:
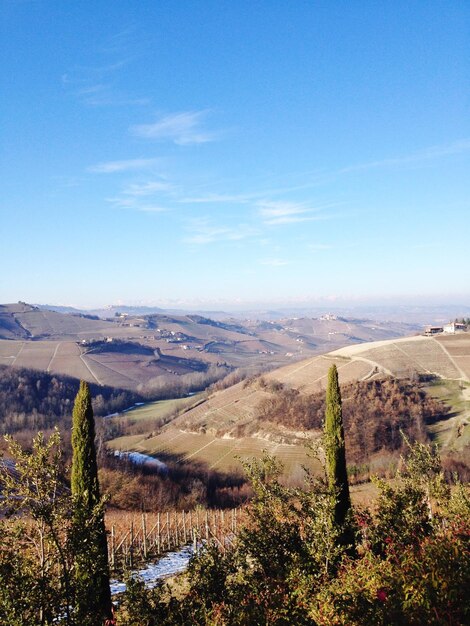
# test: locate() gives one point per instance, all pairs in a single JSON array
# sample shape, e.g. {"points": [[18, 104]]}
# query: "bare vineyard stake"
{"points": [[177, 539], [168, 538], [181, 528], [158, 532], [131, 545], [113, 547], [144, 534]]}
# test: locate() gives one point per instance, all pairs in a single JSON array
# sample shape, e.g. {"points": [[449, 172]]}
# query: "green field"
{"points": [[452, 433], [215, 453], [162, 409]]}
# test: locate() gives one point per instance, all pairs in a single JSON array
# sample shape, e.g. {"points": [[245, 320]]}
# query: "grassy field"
{"points": [[452, 433], [215, 453], [161, 409], [116, 368]]}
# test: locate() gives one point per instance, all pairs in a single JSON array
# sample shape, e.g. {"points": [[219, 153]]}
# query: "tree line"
{"points": [[375, 413], [34, 400]]}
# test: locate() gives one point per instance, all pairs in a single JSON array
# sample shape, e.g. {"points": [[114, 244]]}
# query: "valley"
{"points": [[226, 427], [142, 353], [163, 356]]}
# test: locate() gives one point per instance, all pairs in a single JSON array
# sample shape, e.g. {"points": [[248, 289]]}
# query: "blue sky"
{"points": [[213, 152]]}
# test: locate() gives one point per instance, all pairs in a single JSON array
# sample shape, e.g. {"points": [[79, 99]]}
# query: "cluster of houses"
{"points": [[450, 329]]}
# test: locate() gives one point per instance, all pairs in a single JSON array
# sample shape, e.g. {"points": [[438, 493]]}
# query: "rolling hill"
{"points": [[106, 351], [227, 424]]}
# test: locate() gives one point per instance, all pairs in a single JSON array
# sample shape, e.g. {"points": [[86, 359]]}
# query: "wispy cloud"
{"points": [[122, 41], [217, 198], [111, 167], [96, 84], [181, 128], [152, 208], [319, 246], [138, 196], [284, 212], [428, 154], [203, 232], [100, 94], [136, 205], [146, 189], [274, 262], [432, 245]]}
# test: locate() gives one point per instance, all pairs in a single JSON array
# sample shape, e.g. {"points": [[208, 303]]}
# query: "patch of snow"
{"points": [[169, 565], [142, 459]]}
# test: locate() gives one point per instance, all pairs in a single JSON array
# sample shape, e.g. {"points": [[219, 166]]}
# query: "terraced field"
{"points": [[125, 369], [310, 376], [207, 433], [161, 409], [456, 347], [216, 453], [439, 356]]}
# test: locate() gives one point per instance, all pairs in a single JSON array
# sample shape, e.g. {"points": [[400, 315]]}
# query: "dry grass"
{"points": [[162, 409], [452, 433], [215, 433], [216, 453]]}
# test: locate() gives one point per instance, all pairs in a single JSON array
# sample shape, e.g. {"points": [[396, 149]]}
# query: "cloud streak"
{"points": [[428, 154], [149, 188], [283, 212], [218, 198], [94, 85], [111, 167], [205, 233], [181, 128], [274, 262], [319, 246], [136, 205]]}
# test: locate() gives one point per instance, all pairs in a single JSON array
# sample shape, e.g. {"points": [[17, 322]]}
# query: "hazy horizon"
{"points": [[331, 304]]}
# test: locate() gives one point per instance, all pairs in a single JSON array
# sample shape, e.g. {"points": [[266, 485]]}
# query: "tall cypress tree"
{"points": [[336, 459], [93, 596]]}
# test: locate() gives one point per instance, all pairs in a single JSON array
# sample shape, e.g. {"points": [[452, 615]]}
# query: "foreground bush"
{"points": [[412, 565]]}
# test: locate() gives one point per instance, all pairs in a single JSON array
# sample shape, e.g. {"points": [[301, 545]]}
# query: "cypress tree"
{"points": [[336, 460], [93, 595]]}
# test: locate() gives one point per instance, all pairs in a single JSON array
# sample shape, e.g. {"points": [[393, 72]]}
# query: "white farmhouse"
{"points": [[454, 327]]}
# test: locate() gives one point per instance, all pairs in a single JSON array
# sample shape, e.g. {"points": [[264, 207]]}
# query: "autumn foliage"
{"points": [[374, 413]]}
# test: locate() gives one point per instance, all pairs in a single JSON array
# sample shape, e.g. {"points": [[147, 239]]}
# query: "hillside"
{"points": [[24, 321], [228, 423], [172, 346]]}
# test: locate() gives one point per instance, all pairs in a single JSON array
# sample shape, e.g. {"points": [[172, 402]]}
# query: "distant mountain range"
{"points": [[418, 315]]}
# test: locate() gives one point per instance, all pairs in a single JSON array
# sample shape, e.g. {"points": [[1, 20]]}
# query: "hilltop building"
{"points": [[454, 327], [433, 330]]}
